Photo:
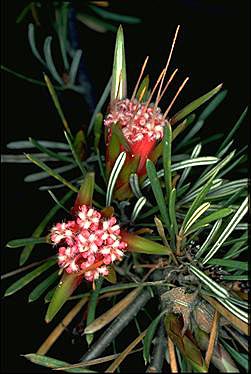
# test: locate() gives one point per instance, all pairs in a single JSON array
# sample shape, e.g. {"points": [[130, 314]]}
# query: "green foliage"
{"points": [[184, 219]]}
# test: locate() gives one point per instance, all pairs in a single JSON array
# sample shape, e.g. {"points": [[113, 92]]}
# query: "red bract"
{"points": [[88, 241]]}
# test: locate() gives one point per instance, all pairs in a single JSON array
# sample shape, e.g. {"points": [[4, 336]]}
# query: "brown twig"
{"points": [[125, 353], [237, 322], [172, 357], [54, 335], [212, 339]]}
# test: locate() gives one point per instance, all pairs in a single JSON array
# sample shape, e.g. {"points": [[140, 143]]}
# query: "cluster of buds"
{"points": [[88, 242]]}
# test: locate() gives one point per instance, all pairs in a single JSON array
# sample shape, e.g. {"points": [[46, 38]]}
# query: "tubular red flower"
{"points": [[87, 241]]}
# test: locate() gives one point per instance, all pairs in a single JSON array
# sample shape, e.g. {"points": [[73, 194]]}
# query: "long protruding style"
{"points": [[139, 79], [175, 97], [167, 65]]}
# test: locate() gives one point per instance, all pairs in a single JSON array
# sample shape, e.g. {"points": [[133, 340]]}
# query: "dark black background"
{"points": [[212, 47]]}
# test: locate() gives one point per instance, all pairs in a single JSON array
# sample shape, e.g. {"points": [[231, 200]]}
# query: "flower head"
{"points": [[90, 242], [141, 125]]}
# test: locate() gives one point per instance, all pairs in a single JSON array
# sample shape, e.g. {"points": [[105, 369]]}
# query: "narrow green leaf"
{"points": [[221, 213], [199, 161], [56, 103], [61, 24], [49, 295], [224, 150], [195, 153], [192, 195], [229, 263], [114, 16], [34, 177], [233, 165], [240, 313], [23, 12], [86, 191], [211, 284], [22, 282], [113, 176], [98, 125], [201, 120], [198, 200], [74, 153], [157, 191], [138, 244], [134, 183], [43, 286], [52, 173], [95, 23], [79, 144], [149, 337], [49, 60], [237, 217], [150, 212], [181, 127], [16, 159], [210, 108], [53, 363], [100, 104], [236, 277], [194, 105], [143, 89], [28, 79], [167, 152], [119, 85], [31, 38], [74, 66], [204, 177], [65, 288], [122, 139], [92, 307], [22, 144], [16, 243], [241, 358], [40, 228], [236, 247], [172, 211], [137, 208], [57, 201], [55, 155], [234, 129], [197, 213]]}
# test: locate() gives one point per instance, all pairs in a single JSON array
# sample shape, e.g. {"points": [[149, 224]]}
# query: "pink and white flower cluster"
{"points": [[137, 120], [88, 241]]}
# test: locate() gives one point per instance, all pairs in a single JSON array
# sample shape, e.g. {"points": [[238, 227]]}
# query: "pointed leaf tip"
{"points": [[65, 288], [119, 85]]}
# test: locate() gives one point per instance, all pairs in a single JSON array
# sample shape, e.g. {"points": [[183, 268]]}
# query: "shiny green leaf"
{"points": [[22, 282], [65, 288], [56, 103], [221, 213], [194, 105], [40, 228], [16, 243], [114, 16], [52, 172], [92, 307], [157, 191], [43, 286], [119, 84], [149, 338], [53, 363], [138, 244]]}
